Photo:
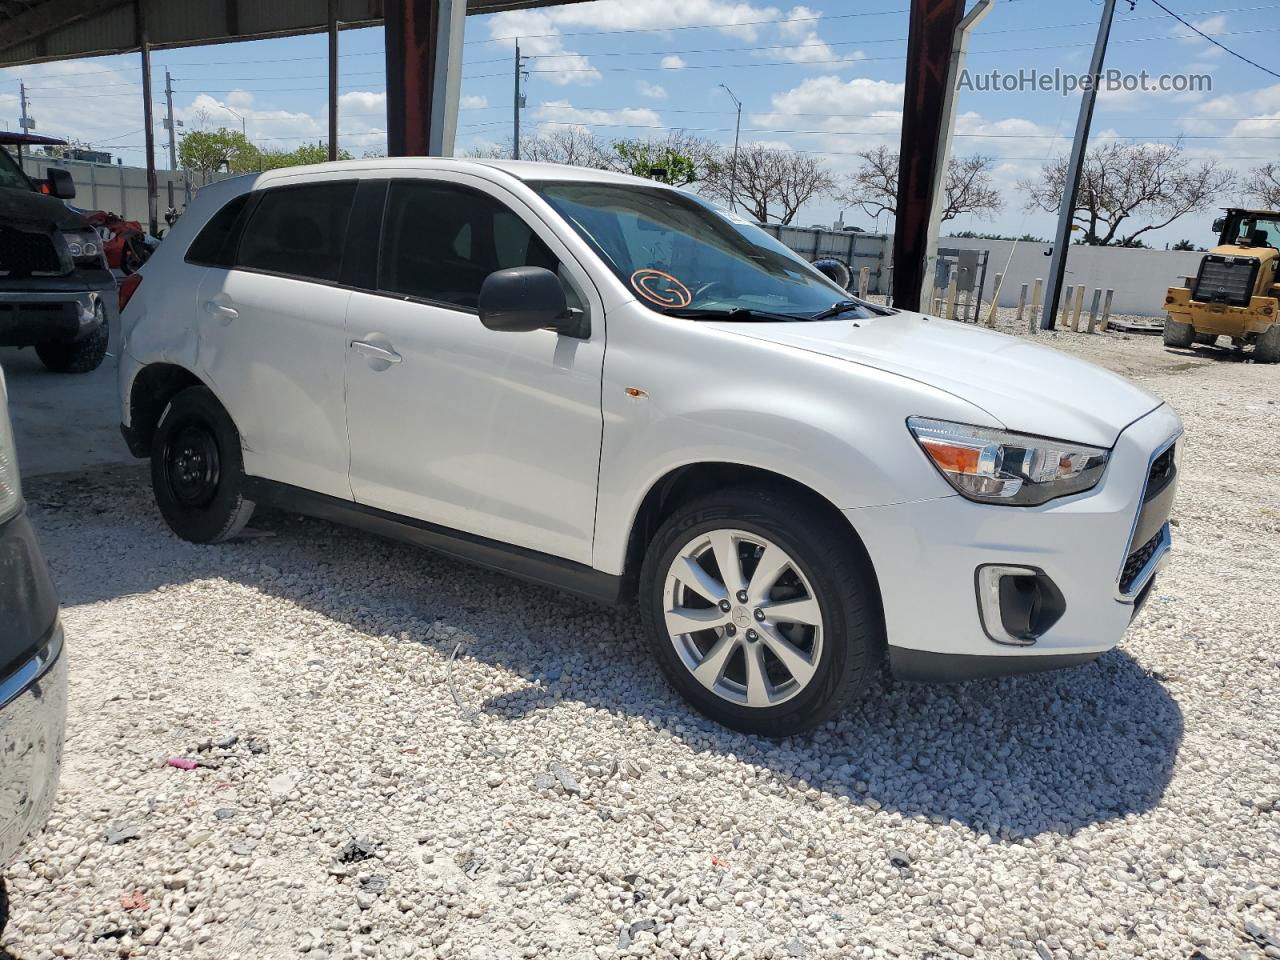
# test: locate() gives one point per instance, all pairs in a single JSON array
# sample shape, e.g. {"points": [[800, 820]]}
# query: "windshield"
{"points": [[680, 254], [10, 175]]}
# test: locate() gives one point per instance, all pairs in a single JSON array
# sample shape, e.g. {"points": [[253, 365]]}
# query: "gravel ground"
{"points": [[557, 800]]}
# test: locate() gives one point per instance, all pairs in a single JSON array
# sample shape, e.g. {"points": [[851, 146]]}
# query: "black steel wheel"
{"points": [[196, 469]]}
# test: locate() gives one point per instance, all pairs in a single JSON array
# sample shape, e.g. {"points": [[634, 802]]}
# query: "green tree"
{"points": [[667, 161], [1184, 245], [317, 152], [207, 152]]}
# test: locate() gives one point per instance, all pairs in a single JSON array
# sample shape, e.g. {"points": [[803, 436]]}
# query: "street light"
{"points": [[243, 132], [733, 164]]}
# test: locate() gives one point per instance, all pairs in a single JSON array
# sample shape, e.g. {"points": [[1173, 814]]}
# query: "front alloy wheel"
{"points": [[762, 608], [742, 617]]}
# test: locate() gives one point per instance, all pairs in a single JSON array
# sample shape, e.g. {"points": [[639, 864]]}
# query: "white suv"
{"points": [[613, 387]]}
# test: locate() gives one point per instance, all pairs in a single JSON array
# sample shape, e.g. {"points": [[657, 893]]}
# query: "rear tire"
{"points": [[1178, 334], [755, 666], [197, 469], [80, 356], [1266, 349]]}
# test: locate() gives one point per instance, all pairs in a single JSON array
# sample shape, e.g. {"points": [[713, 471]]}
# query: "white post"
{"points": [[951, 296], [995, 301], [1022, 303], [1036, 293], [447, 77], [1065, 318], [864, 282], [1075, 317], [1093, 309], [1106, 310]]}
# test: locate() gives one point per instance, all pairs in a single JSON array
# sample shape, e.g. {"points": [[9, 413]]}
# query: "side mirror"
{"points": [[1219, 224], [60, 184], [521, 299]]}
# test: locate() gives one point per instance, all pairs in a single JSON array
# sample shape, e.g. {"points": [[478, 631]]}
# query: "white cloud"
{"points": [[474, 102], [672, 62], [809, 47], [654, 91], [558, 114]]}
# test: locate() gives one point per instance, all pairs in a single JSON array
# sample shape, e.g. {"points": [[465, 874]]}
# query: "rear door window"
{"points": [[298, 231]]}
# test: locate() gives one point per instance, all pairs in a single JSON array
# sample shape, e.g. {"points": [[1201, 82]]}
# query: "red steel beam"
{"points": [[411, 30], [929, 50]]}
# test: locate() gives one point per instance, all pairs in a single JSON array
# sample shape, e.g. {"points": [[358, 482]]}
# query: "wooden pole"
{"points": [[995, 301], [1093, 309], [1106, 310], [1022, 303], [1066, 305], [1075, 317], [951, 297], [1036, 293], [864, 282]]}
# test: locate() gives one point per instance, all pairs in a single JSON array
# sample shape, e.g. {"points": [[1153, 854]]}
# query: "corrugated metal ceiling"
{"points": [[32, 31]]}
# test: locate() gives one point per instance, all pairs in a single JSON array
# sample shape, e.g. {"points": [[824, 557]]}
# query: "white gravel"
{"points": [[568, 805]]}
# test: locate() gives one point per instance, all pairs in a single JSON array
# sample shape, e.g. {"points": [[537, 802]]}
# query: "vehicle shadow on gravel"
{"points": [[1011, 758]]}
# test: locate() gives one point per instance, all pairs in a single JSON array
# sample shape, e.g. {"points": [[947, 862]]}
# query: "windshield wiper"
{"points": [[733, 314], [837, 308]]}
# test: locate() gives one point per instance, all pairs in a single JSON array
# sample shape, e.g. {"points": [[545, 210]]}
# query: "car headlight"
{"points": [[85, 246], [995, 466]]}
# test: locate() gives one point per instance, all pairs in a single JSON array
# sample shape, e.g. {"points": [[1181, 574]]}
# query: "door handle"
{"points": [[221, 310], [372, 351]]}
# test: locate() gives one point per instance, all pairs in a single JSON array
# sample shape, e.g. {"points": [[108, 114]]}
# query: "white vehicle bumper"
{"points": [[928, 556]]}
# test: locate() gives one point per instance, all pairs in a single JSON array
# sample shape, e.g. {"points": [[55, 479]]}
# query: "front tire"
{"points": [[196, 469], [1178, 334], [762, 615], [1266, 349], [80, 356]]}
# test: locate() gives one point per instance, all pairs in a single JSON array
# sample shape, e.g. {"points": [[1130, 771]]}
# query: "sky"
{"points": [[824, 77]]}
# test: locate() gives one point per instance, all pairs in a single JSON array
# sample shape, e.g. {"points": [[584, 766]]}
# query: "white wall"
{"points": [[114, 188], [1139, 277]]}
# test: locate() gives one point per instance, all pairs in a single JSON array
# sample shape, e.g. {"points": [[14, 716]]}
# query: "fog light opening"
{"points": [[1017, 605]]}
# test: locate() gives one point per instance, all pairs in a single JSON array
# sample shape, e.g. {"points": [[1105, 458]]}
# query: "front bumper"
{"points": [[926, 554], [28, 318], [33, 707]]}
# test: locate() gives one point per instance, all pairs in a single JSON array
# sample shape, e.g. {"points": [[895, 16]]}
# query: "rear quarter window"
{"points": [[215, 244]]}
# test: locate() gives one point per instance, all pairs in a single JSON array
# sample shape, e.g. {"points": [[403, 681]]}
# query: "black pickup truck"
{"points": [[53, 275]]}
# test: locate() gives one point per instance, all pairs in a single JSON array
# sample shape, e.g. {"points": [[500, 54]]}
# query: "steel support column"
{"points": [[333, 79], [424, 64], [148, 120], [935, 51]]}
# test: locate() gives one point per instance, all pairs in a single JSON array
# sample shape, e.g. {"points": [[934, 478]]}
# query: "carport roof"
{"points": [[32, 31]]}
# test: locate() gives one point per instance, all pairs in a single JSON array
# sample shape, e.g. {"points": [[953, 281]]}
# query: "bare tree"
{"points": [[574, 146], [1152, 184], [968, 187], [1264, 183], [767, 182]]}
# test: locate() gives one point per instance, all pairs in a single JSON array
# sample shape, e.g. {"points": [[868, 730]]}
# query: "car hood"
{"points": [[1027, 387], [29, 207]]}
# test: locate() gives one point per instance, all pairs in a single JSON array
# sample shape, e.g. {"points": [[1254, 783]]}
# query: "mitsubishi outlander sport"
{"points": [[611, 386]]}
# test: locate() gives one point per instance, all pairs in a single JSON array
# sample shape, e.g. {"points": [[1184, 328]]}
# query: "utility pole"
{"points": [[733, 164], [27, 124], [169, 123], [1066, 212], [333, 79], [517, 103]]}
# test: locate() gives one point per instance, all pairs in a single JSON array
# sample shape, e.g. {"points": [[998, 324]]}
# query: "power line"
{"points": [[1222, 46]]}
